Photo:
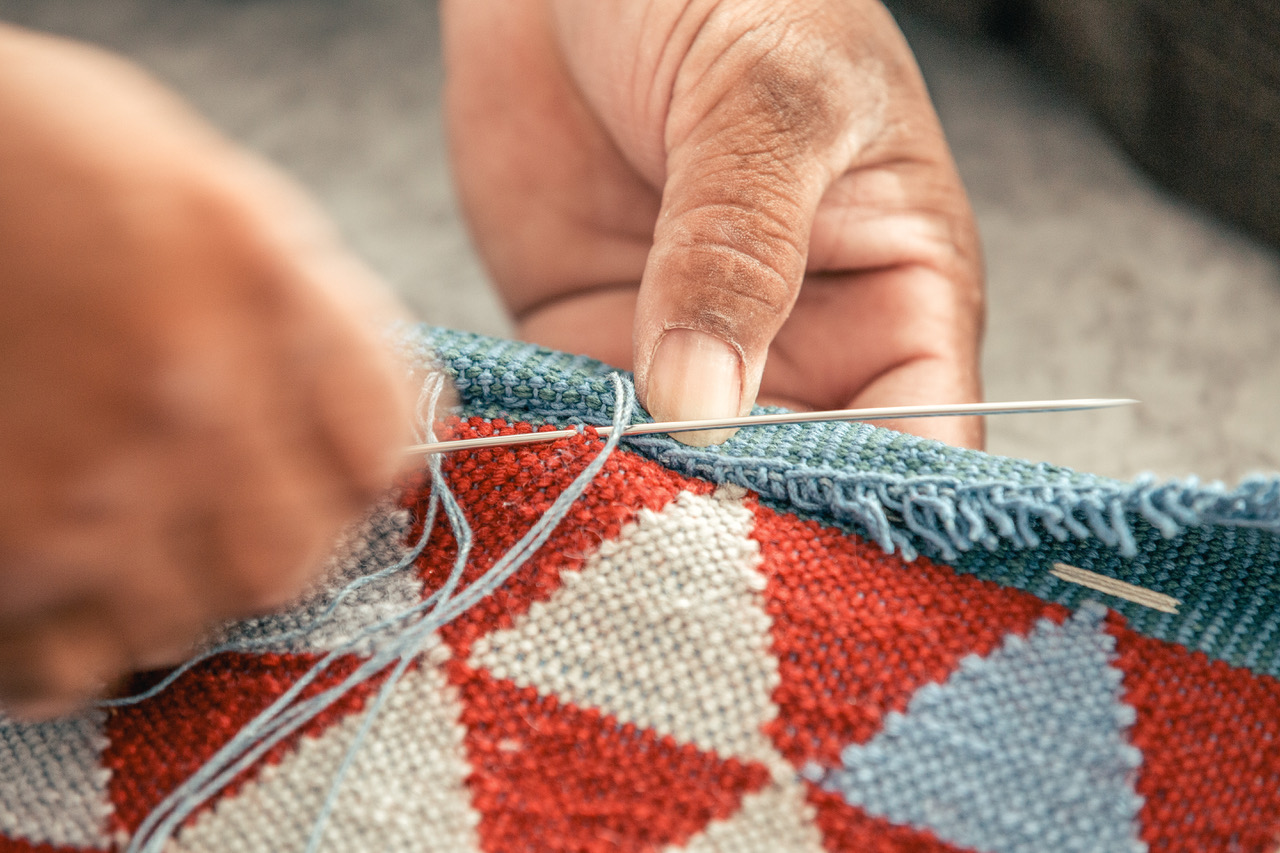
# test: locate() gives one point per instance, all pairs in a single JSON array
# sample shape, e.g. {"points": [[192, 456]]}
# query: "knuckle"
{"points": [[229, 219], [740, 248], [57, 668], [776, 77], [792, 96], [739, 273], [214, 211], [362, 411]]}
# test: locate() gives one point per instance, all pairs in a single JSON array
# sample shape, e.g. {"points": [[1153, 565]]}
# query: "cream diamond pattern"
{"points": [[664, 627], [406, 789]]}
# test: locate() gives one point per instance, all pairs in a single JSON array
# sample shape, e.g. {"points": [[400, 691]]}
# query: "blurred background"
{"points": [[1100, 283]]}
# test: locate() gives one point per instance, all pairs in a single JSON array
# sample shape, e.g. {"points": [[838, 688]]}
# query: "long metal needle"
{"points": [[879, 414]]}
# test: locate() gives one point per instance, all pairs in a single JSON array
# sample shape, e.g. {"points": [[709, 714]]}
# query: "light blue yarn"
{"points": [[427, 402], [285, 716], [282, 717], [248, 644], [904, 513]]}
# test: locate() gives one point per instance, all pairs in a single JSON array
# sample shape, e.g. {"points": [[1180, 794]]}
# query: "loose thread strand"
{"points": [[412, 629], [507, 565]]}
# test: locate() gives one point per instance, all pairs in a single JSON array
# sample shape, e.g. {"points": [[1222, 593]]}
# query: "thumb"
{"points": [[730, 245]]}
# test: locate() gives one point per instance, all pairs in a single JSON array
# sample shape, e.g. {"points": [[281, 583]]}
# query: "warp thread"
{"points": [[402, 637]]}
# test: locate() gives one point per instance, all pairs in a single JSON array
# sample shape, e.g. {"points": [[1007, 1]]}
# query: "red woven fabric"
{"points": [[1210, 740], [673, 670], [857, 632]]}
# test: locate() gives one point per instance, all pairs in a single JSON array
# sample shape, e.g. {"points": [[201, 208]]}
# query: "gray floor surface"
{"points": [[1100, 284]]}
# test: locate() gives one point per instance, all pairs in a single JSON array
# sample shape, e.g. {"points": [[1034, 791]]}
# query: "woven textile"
{"points": [[830, 637]]}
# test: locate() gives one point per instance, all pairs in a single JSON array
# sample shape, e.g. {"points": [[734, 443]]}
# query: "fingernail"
{"points": [[694, 376]]}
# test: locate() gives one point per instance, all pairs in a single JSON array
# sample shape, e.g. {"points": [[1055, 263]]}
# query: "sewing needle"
{"points": [[876, 414]]}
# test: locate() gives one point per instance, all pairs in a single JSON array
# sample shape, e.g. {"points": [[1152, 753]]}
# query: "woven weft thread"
{"points": [[566, 648]]}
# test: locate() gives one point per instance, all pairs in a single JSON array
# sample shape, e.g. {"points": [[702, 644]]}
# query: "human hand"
{"points": [[193, 399], [683, 187]]}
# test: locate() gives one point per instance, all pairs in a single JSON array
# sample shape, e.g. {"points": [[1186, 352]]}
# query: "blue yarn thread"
{"points": [[409, 632]]}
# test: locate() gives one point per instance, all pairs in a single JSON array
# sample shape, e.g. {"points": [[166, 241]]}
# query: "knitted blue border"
{"points": [[1007, 520]]}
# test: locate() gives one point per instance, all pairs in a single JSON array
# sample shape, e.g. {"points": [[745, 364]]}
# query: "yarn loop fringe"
{"points": [[945, 516]]}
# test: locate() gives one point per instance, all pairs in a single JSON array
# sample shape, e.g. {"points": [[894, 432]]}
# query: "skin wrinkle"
{"points": [[794, 95], [678, 85], [755, 207], [668, 91], [633, 81], [739, 224], [788, 104], [776, 230], [919, 241], [772, 177], [728, 273], [907, 359], [756, 175], [844, 64], [795, 92], [739, 235], [648, 157], [830, 299], [769, 277], [683, 90], [937, 248], [782, 309], [868, 128], [798, 117], [940, 248], [589, 220]]}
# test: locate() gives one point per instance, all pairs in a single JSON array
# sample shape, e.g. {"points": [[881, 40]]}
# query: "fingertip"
{"points": [[364, 410], [704, 437], [695, 376]]}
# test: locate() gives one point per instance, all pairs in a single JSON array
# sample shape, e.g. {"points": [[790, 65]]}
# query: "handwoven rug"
{"points": [[829, 637]]}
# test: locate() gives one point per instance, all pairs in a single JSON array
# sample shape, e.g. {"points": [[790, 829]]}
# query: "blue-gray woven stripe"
{"points": [[1023, 750], [1001, 519]]}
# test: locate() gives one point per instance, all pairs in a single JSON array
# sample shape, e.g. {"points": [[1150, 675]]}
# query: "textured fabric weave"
{"points": [[831, 637]]}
